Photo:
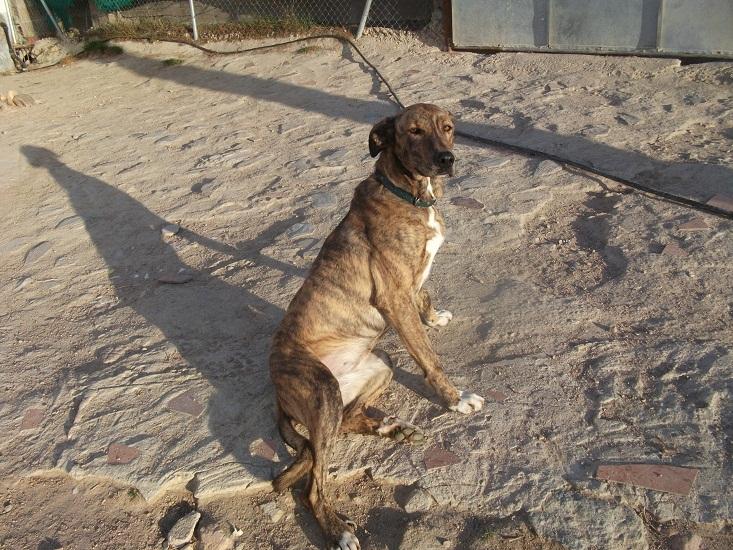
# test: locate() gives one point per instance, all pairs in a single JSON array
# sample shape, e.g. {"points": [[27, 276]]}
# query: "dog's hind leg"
{"points": [[374, 377], [308, 393], [428, 315], [304, 458]]}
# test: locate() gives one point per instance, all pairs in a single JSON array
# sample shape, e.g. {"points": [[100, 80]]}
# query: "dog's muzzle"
{"points": [[445, 162]]}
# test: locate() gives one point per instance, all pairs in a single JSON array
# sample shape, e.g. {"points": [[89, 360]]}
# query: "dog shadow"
{"points": [[220, 330]]}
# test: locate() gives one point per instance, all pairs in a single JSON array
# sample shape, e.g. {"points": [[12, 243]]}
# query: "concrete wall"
{"points": [[667, 27], [6, 62]]}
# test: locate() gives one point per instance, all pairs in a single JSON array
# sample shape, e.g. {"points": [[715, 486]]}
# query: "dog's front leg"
{"points": [[403, 315]]}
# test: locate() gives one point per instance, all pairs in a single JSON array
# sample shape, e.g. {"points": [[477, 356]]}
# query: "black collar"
{"points": [[401, 193]]}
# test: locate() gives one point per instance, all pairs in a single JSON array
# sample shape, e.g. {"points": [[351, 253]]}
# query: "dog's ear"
{"points": [[381, 136]]}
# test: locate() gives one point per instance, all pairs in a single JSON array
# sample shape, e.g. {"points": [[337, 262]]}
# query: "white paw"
{"points": [[470, 402], [348, 541], [443, 318]]}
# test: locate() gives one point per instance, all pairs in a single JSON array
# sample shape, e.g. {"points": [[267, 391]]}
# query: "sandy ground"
{"points": [[596, 322]]}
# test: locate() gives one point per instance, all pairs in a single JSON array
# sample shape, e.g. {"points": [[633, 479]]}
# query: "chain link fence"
{"points": [[229, 19]]}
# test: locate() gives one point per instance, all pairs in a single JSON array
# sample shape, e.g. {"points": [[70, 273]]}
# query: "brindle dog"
{"points": [[368, 276]]}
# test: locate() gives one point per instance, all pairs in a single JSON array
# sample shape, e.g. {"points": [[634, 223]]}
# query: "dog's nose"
{"points": [[445, 159]]}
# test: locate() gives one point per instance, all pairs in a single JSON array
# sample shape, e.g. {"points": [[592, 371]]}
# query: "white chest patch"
{"points": [[433, 243]]}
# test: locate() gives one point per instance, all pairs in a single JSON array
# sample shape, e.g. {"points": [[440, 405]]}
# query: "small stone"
{"points": [[473, 183], [170, 229], [494, 162], [31, 419], [175, 278], [300, 229], [722, 201], [323, 200], [547, 168], [695, 224], [272, 511], [657, 477], [22, 283], [594, 131], [121, 454], [186, 403], [182, 531], [437, 457], [672, 249], [467, 202], [36, 252], [419, 501], [495, 395], [23, 100], [626, 119], [310, 249], [264, 448], [7, 507], [75, 491]]}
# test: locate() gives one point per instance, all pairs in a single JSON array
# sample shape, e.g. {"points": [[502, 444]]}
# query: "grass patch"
{"points": [[101, 47], [173, 61], [157, 29]]}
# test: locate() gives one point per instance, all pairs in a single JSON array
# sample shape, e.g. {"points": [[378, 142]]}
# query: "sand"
{"points": [[597, 323]]}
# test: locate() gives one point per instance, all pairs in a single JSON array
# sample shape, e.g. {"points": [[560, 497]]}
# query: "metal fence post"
{"points": [[193, 20], [364, 16]]}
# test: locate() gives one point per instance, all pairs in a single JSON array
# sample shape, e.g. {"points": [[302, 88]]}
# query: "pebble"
{"points": [[627, 119], [324, 200], [473, 183], [467, 202], [592, 131], [546, 168], [272, 511], [31, 419], [186, 403], [437, 457], [494, 162], [419, 501], [175, 278], [23, 100], [695, 224], [300, 229], [673, 249], [182, 531], [37, 251], [264, 448], [7, 507], [121, 454], [170, 229]]}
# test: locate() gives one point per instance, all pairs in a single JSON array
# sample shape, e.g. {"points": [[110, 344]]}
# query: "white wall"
{"points": [[6, 62]]}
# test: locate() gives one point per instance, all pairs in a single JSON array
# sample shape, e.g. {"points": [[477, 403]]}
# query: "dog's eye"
{"points": [[416, 131], [447, 128]]}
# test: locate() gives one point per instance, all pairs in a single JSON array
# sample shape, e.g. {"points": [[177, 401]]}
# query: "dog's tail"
{"points": [[303, 461]]}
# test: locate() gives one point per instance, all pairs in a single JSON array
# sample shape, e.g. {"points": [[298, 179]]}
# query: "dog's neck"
{"points": [[422, 187]]}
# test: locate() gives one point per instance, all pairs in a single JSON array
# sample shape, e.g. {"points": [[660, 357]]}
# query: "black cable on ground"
{"points": [[521, 149]]}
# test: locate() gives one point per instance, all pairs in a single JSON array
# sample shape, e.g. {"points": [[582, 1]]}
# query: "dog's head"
{"points": [[421, 137]]}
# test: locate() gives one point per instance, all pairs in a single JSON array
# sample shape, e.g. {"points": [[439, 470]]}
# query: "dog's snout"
{"points": [[445, 159]]}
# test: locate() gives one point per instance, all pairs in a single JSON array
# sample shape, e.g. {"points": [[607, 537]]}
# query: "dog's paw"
{"points": [[348, 541], [439, 318], [469, 403], [442, 318], [399, 430]]}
